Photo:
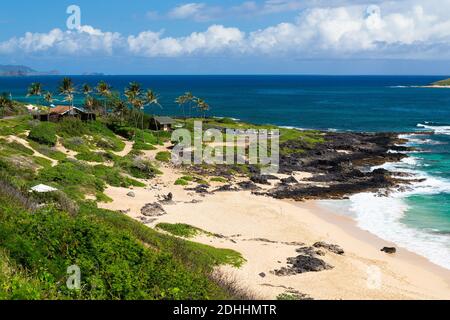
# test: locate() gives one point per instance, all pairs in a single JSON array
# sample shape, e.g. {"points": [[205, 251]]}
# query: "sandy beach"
{"points": [[268, 231]]}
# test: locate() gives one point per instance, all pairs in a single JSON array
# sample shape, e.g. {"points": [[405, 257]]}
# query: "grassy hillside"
{"points": [[120, 258], [42, 235]]}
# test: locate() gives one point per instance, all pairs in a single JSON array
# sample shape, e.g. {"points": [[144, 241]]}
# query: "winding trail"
{"points": [[27, 144], [128, 148]]}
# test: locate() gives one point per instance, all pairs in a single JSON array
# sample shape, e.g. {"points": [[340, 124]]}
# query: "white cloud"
{"points": [[85, 40], [355, 30], [193, 11], [216, 38], [410, 29]]}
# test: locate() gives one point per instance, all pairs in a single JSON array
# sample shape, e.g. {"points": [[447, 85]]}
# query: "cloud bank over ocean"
{"points": [[406, 29]]}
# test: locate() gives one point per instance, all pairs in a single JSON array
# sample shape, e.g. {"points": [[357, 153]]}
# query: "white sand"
{"points": [[27, 144], [241, 217]]}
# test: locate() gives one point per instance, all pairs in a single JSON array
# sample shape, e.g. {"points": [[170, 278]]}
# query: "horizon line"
{"points": [[230, 74]]}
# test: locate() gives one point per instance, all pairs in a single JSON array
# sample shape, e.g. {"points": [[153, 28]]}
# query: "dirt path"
{"points": [[27, 144]]}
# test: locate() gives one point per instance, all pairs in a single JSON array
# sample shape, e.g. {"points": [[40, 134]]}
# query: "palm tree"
{"points": [[104, 90], [89, 104], [35, 89], [202, 106], [87, 89], [120, 108], [181, 101], [150, 98], [68, 90], [88, 100], [190, 99], [133, 95], [5, 103], [48, 97]]}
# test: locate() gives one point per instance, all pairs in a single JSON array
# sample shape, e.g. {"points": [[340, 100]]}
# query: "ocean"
{"points": [[418, 218]]}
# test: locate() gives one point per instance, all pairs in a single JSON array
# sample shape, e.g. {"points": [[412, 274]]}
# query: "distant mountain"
{"points": [[21, 71], [93, 74]]}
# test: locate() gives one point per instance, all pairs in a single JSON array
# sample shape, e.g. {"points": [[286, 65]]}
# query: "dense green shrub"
{"points": [[74, 178], [42, 162], [114, 265], [125, 132], [113, 177], [138, 167], [72, 127], [139, 145], [91, 156], [14, 126], [164, 156], [18, 147], [180, 229], [44, 133], [48, 151], [181, 182], [77, 144]]}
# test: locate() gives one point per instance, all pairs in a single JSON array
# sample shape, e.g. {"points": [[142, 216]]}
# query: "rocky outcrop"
{"points": [[289, 180], [248, 185], [307, 261], [225, 188], [260, 179], [339, 166], [153, 210], [334, 248], [200, 189], [303, 264], [389, 250]]}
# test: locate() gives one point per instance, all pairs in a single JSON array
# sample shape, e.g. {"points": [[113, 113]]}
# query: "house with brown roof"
{"points": [[60, 112]]}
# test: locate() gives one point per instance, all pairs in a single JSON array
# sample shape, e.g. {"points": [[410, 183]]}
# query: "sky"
{"points": [[228, 37]]}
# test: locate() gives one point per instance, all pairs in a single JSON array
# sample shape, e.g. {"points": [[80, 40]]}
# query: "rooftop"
{"points": [[164, 120]]}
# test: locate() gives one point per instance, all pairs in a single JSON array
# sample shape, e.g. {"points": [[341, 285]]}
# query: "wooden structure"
{"points": [[60, 112], [162, 123]]}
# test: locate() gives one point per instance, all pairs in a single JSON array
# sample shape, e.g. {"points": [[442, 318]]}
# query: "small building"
{"points": [[42, 188], [162, 123], [60, 112]]}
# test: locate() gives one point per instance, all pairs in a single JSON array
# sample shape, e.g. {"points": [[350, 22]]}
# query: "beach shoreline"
{"points": [[350, 226], [268, 231]]}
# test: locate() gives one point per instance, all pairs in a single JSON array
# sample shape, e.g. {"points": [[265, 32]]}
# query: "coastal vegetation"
{"points": [[442, 83], [41, 235], [180, 229], [9, 107]]}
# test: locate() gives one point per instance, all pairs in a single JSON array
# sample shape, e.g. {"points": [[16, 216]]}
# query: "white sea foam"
{"points": [[382, 215], [436, 129], [294, 128]]}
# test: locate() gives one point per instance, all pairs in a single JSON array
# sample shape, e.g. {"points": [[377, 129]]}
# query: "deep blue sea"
{"points": [[417, 218]]}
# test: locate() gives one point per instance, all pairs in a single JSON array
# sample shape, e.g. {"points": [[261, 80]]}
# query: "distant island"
{"points": [[440, 84], [93, 74], [22, 71]]}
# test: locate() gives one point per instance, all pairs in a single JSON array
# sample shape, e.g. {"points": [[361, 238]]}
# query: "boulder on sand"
{"points": [[289, 180], [260, 179], [303, 264], [389, 250], [330, 247], [153, 210]]}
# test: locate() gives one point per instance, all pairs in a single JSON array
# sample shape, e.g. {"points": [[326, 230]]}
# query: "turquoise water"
{"points": [[417, 218]]}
